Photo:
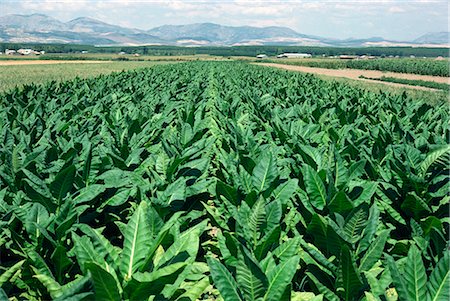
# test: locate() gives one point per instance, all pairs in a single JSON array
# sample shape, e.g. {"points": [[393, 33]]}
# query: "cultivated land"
{"points": [[222, 181], [45, 62], [356, 74], [20, 73], [423, 66]]}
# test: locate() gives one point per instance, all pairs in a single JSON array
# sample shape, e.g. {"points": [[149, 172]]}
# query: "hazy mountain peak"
{"points": [[33, 22], [442, 37], [86, 20], [40, 28]]}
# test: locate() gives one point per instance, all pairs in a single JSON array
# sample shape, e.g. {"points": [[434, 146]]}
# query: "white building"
{"points": [[261, 56], [10, 52], [294, 55], [348, 57], [25, 51]]}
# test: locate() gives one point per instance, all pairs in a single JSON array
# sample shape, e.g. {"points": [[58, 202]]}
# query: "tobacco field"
{"points": [[222, 181], [427, 66]]}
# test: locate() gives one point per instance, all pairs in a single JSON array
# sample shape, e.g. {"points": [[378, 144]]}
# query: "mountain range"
{"points": [[39, 28]]}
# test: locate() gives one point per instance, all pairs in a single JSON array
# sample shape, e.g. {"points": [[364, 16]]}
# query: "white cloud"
{"points": [[396, 9]]}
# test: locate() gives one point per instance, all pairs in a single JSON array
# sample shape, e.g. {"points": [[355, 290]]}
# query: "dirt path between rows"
{"points": [[355, 73], [46, 62]]}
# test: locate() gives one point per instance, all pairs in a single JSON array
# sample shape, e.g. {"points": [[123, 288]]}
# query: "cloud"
{"points": [[396, 9]]}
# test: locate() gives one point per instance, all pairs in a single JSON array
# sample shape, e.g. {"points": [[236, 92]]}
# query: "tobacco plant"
{"points": [[221, 181]]}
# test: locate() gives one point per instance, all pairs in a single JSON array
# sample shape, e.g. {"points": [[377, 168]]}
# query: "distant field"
{"points": [[417, 83], [112, 57], [404, 65], [19, 75]]}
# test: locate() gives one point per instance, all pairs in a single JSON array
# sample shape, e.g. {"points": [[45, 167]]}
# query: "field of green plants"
{"points": [[19, 75], [412, 82], [222, 181], [414, 66]]}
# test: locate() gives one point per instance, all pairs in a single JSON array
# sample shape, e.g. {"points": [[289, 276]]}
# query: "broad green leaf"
{"points": [[415, 276], [370, 229], [144, 285], [195, 291], [85, 252], [10, 272], [280, 278], [53, 287], [250, 277], [340, 203], [439, 283], [89, 193], [287, 249], [105, 286], [328, 294], [63, 182], [137, 241], [264, 173], [184, 247], [350, 277], [397, 279], [434, 157], [314, 187], [355, 224], [369, 189], [159, 273], [103, 246], [223, 280], [255, 221], [285, 191], [374, 252]]}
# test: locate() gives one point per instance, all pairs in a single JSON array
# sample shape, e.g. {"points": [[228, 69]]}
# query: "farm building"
{"points": [[10, 52], [25, 51], [29, 52], [367, 57], [294, 55], [348, 57]]}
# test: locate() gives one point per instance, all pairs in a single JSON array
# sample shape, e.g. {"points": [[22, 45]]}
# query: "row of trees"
{"points": [[232, 51]]}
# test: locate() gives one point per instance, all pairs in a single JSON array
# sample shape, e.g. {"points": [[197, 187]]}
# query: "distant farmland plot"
{"points": [[414, 66], [19, 75]]}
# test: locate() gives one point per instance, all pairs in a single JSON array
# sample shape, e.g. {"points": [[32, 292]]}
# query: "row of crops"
{"points": [[221, 181], [414, 66]]}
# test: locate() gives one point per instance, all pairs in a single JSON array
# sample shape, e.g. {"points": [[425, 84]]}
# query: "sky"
{"points": [[401, 20]]}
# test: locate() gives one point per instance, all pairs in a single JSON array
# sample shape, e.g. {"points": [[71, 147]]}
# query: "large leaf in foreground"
{"points": [[280, 277], [223, 280], [105, 286], [439, 283], [250, 277], [138, 238], [350, 277], [415, 276]]}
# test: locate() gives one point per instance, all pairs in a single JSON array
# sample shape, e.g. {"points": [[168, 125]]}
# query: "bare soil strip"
{"points": [[46, 62], [355, 73]]}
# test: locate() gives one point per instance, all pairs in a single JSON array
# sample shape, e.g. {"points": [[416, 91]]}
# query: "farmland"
{"points": [[17, 73], [222, 181], [413, 66]]}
